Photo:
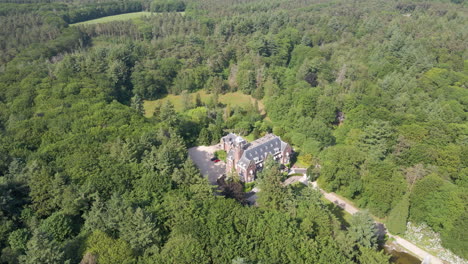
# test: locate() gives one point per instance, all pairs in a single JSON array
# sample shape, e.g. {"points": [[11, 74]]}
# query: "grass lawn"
{"points": [[232, 99], [240, 99], [221, 154], [121, 17]]}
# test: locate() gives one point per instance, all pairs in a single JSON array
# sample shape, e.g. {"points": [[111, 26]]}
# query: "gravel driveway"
{"points": [[201, 156]]}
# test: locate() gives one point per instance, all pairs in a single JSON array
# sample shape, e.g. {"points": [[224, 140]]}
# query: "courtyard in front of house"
{"points": [[202, 156]]}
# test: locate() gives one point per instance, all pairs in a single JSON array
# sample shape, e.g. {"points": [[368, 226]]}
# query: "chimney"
{"points": [[239, 148]]}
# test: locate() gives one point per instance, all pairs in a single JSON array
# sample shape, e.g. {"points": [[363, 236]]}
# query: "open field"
{"points": [[121, 17], [232, 99]]}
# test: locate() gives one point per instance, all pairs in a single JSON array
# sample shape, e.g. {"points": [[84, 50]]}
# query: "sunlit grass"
{"points": [[231, 99], [121, 17]]}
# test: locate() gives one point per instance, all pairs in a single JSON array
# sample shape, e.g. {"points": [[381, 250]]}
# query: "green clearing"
{"points": [[231, 99], [121, 17]]}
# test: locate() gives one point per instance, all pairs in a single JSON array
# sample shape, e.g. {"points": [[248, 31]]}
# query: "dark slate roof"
{"points": [[258, 150], [230, 137]]}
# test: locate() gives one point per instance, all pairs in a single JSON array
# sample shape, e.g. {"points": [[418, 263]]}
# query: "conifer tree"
{"points": [[42, 249], [137, 104]]}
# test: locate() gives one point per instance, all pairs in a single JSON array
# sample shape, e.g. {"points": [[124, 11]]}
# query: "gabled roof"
{"points": [[258, 150], [243, 162]]}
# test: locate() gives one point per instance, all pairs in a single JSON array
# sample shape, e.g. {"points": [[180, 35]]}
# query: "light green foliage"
{"points": [[18, 239], [221, 154], [183, 249], [107, 249], [41, 193], [134, 226], [137, 104], [398, 217], [199, 115], [436, 202]]}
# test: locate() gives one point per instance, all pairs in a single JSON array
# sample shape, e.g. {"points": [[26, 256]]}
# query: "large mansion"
{"points": [[248, 158]]}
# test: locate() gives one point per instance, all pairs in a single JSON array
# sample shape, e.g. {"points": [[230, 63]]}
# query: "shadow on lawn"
{"points": [[339, 213]]}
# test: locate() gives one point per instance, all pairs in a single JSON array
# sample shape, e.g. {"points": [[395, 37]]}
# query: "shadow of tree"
{"points": [[340, 215]]}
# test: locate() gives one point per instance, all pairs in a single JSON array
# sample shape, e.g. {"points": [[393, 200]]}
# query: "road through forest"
{"points": [[422, 254]]}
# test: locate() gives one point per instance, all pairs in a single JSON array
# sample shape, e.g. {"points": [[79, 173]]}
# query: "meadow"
{"points": [[121, 17], [231, 99]]}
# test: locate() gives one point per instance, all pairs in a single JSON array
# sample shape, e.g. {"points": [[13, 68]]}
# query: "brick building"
{"points": [[247, 158]]}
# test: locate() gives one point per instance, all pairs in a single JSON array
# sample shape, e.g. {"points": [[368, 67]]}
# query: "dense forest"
{"points": [[372, 94]]}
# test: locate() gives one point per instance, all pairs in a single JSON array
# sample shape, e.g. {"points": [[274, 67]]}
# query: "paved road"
{"points": [[423, 255], [201, 156]]}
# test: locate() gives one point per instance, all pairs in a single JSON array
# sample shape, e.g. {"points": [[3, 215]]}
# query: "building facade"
{"points": [[246, 158]]}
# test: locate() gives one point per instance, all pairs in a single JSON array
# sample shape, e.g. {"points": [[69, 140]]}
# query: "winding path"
{"points": [[420, 253]]}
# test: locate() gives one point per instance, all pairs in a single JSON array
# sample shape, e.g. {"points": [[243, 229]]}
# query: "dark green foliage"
{"points": [[362, 230], [42, 249], [384, 185], [167, 6], [152, 79], [273, 194], [58, 226], [369, 98], [456, 238], [204, 137], [139, 230], [96, 10], [341, 170]]}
